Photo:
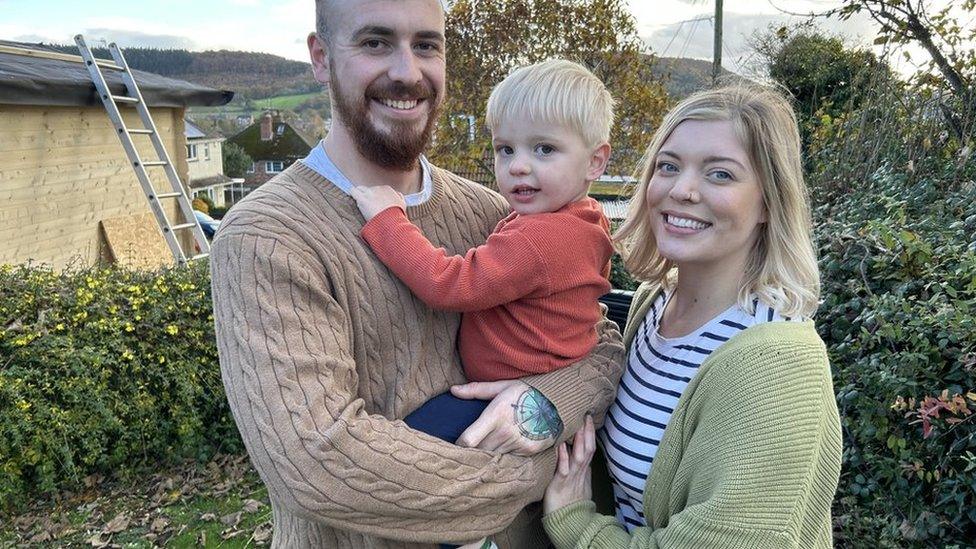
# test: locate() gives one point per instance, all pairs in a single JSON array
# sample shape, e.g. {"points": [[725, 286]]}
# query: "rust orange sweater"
{"points": [[529, 293]]}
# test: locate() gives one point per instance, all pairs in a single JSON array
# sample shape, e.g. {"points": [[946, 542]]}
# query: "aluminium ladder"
{"points": [[134, 97]]}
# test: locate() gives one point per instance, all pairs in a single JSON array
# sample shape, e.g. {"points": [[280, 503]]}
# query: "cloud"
{"points": [[695, 38], [128, 39]]}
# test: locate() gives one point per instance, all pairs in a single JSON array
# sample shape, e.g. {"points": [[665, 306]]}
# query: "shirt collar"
{"points": [[319, 161]]}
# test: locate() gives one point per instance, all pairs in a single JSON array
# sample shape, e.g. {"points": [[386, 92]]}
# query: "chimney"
{"points": [[267, 121]]}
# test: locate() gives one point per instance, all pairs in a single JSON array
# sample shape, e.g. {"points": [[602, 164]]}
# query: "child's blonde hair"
{"points": [[782, 267], [557, 92]]}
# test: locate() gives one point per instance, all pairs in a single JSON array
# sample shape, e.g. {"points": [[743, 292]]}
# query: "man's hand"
{"points": [[519, 419], [572, 480], [373, 200]]}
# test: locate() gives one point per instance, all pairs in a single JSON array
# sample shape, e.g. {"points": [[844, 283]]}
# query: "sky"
{"points": [[676, 28]]}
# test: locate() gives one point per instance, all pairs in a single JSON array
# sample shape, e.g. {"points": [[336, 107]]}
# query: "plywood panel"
{"points": [[136, 242]]}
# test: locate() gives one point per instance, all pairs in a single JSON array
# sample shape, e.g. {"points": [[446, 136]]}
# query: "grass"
{"points": [[222, 504], [286, 102], [280, 102]]}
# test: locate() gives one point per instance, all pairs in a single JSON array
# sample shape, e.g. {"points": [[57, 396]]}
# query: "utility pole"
{"points": [[717, 51]]}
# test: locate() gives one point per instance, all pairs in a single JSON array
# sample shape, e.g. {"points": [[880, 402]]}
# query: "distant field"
{"points": [[286, 102]]}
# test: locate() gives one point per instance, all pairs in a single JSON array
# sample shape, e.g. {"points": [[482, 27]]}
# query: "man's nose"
{"points": [[405, 68]]}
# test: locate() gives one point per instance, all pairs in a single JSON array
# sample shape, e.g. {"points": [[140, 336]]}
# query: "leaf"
{"points": [[883, 39], [252, 506], [159, 524], [262, 532], [231, 519], [208, 517], [116, 525]]}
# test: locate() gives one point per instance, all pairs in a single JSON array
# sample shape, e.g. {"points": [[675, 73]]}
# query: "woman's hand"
{"points": [[519, 418], [571, 482]]}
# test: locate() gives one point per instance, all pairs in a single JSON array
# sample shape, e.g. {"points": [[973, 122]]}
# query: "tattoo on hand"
{"points": [[536, 417]]}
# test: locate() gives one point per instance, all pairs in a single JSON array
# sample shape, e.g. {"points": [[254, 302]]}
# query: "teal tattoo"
{"points": [[536, 417]]}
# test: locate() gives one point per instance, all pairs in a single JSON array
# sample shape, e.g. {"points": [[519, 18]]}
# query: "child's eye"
{"points": [[722, 175], [504, 150], [666, 167], [545, 149]]}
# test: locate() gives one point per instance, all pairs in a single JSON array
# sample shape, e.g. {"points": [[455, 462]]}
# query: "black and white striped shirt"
{"points": [[658, 370]]}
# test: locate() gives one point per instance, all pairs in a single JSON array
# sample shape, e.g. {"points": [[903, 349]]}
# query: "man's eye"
{"points": [[428, 46], [372, 44]]}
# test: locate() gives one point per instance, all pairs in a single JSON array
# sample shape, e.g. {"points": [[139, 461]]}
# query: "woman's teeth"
{"points": [[685, 223]]}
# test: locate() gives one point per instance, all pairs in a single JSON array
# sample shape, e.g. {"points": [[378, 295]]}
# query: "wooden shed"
{"points": [[64, 175]]}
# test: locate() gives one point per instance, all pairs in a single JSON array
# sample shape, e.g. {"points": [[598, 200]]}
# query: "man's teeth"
{"points": [[400, 105], [685, 223]]}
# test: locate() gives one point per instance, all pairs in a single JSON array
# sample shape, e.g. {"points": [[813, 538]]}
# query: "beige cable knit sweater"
{"points": [[323, 352]]}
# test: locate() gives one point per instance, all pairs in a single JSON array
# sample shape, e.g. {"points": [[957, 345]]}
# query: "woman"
{"points": [[725, 431]]}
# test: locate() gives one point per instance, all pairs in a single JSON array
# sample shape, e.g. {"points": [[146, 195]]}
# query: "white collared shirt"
{"points": [[319, 161]]}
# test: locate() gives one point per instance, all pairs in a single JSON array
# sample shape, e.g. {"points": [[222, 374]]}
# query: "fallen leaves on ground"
{"points": [[162, 507]]}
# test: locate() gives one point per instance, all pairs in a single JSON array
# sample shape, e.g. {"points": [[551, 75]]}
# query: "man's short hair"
{"points": [[556, 92], [322, 26]]}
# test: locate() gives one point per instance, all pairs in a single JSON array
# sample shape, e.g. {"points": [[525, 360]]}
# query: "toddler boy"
{"points": [[529, 293]]}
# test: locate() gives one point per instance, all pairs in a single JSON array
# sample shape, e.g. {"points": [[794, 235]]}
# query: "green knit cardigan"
{"points": [[750, 458]]}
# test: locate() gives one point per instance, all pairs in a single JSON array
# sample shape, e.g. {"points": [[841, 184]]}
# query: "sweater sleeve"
{"points": [[288, 369], [506, 267], [752, 460], [587, 386]]}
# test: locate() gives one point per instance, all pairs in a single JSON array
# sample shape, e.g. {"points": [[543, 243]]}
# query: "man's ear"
{"points": [[319, 54], [598, 162]]}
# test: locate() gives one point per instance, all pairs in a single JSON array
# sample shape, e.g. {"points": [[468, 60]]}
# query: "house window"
{"points": [[206, 152], [274, 166], [251, 168], [191, 152], [281, 129]]}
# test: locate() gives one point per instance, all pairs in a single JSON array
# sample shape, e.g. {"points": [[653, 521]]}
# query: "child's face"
{"points": [[541, 167]]}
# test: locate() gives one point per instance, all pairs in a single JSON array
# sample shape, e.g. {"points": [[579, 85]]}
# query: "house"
{"points": [[273, 144], [204, 158], [65, 180]]}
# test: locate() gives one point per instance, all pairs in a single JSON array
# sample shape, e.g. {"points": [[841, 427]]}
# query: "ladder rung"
{"points": [[199, 256], [182, 226], [141, 132], [168, 195], [124, 99], [155, 163]]}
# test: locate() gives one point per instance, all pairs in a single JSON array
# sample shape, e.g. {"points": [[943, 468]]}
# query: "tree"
{"points": [[236, 161], [941, 35], [487, 39]]}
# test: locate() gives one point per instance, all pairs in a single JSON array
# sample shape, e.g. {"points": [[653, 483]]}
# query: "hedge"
{"points": [[105, 371]]}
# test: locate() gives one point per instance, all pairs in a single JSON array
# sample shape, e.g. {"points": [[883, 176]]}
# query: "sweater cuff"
{"points": [[382, 221], [565, 525], [566, 391]]}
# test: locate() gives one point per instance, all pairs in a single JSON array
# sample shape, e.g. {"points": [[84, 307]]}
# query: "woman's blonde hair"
{"points": [[782, 267], [556, 91]]}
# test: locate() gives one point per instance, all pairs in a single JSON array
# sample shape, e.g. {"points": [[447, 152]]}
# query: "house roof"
{"points": [[285, 142], [192, 131], [41, 80], [209, 181]]}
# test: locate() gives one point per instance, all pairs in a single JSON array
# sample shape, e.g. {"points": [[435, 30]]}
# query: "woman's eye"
{"points": [[666, 167]]}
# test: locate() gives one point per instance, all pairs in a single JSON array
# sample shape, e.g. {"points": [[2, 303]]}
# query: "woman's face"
{"points": [[704, 197]]}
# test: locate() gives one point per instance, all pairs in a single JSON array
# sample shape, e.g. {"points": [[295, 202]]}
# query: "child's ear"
{"points": [[598, 162]]}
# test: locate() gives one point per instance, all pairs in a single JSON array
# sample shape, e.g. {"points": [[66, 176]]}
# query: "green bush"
{"points": [[105, 371], [898, 260]]}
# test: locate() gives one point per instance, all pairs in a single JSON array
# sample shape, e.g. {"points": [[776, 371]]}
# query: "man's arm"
{"points": [[503, 269], [288, 368]]}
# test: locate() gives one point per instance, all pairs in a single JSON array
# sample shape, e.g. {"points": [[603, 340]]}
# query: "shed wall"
{"points": [[63, 170]]}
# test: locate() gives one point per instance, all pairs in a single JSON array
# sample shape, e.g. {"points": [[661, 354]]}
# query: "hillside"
{"points": [[251, 75], [683, 76]]}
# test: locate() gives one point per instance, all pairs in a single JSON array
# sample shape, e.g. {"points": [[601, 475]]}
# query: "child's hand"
{"points": [[373, 200], [572, 480]]}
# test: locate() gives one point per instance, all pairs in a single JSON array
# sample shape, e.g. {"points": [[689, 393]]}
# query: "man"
{"points": [[323, 351]]}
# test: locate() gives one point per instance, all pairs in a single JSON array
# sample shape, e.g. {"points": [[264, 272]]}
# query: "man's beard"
{"points": [[401, 147]]}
